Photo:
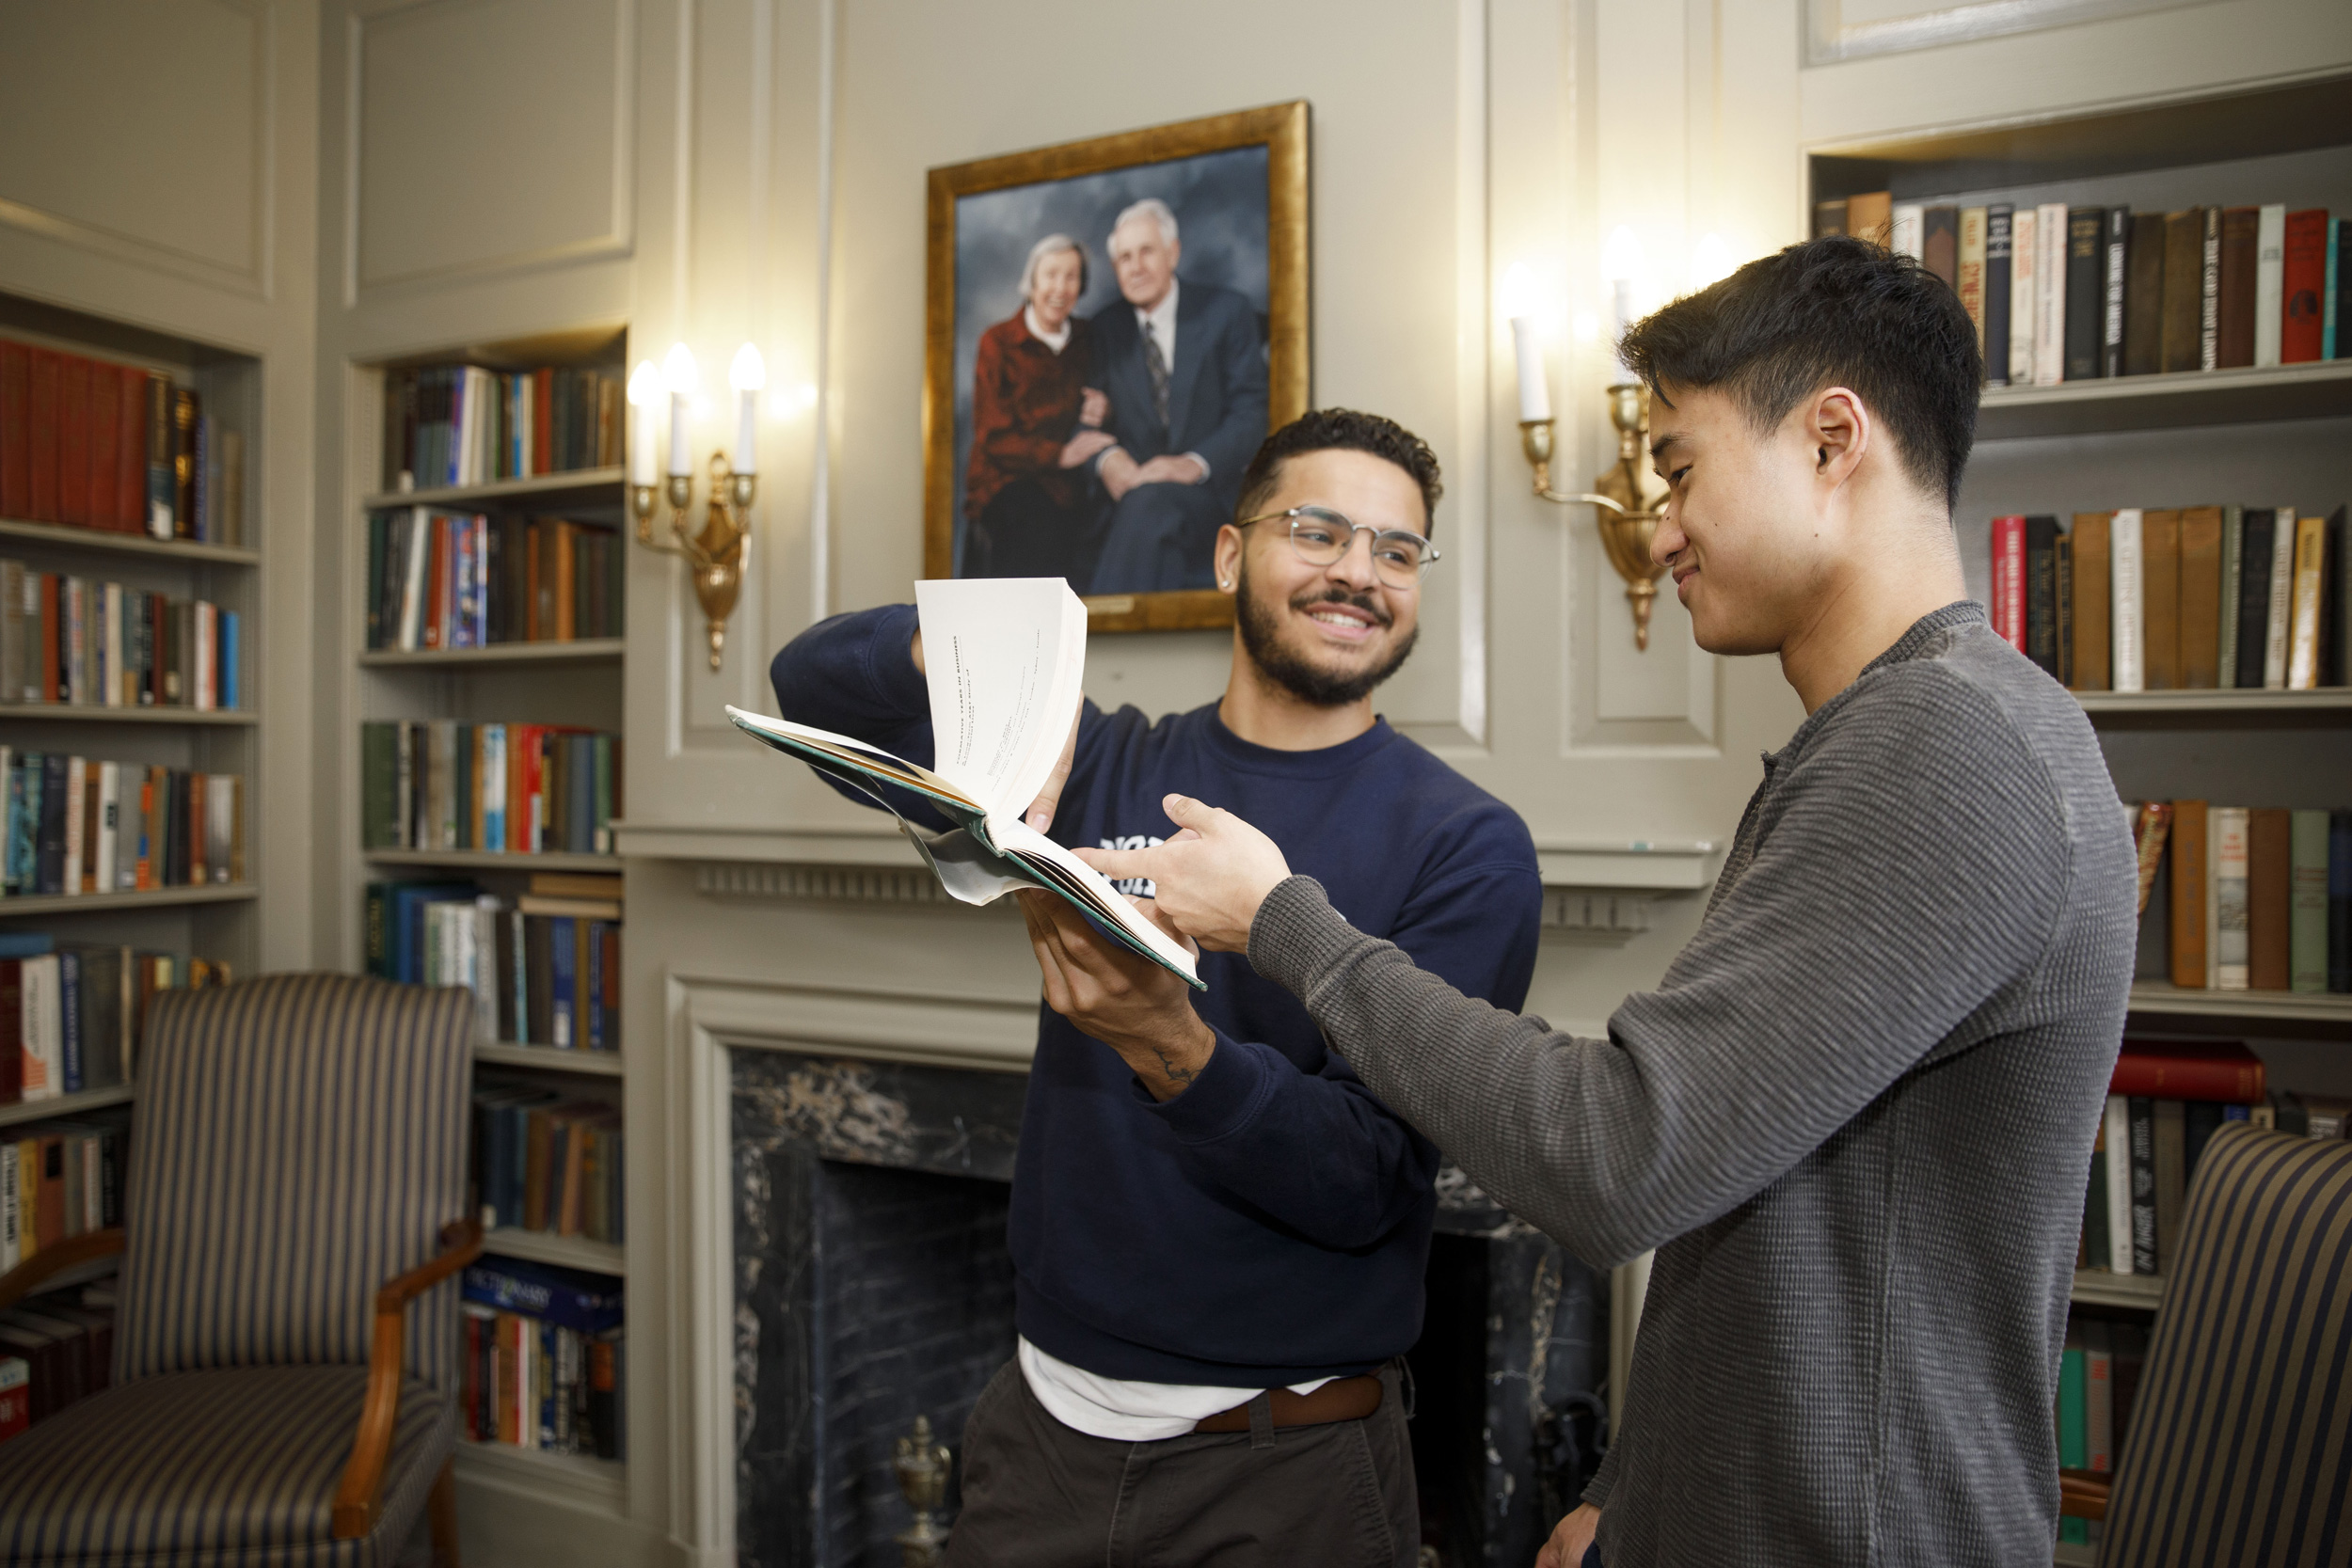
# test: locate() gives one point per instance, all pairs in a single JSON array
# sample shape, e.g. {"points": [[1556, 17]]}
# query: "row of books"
{"points": [[66, 638], [2251, 898], [545, 1359], [545, 967], [2201, 597], [59, 1182], [55, 1348], [439, 579], [2165, 1099], [72, 1017], [545, 1162], [466, 424], [78, 825], [2099, 1370], [88, 443], [437, 783], [2072, 294]]}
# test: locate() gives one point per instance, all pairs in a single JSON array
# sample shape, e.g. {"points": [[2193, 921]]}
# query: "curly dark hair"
{"points": [[1833, 311], [1340, 430]]}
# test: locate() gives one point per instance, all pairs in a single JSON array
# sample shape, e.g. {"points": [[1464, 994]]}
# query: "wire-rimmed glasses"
{"points": [[1321, 537]]}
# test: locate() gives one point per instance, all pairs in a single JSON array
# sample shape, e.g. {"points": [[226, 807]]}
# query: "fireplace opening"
{"points": [[873, 1284]]}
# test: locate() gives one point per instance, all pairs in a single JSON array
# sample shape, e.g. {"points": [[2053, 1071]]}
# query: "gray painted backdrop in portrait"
{"points": [[1219, 199]]}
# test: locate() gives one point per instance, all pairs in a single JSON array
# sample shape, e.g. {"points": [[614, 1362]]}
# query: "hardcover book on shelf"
{"points": [[2160, 612], [2303, 283], [2279, 602], [1005, 658], [1969, 273], [2229, 932], [1939, 245], [1993, 330], [2091, 596], [2024, 298], [2050, 286], [2270, 249], [1870, 216], [1906, 230], [2306, 902], [2209, 302], [2241, 252], [2114, 268], [2199, 615]]}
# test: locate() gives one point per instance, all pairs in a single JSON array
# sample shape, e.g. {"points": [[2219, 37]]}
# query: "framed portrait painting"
{"points": [[1113, 328]]}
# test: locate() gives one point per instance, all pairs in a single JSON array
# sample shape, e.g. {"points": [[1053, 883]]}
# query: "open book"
{"points": [[1005, 658]]}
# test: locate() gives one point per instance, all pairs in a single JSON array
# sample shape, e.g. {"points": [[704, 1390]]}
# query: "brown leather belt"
{"points": [[1344, 1398]]}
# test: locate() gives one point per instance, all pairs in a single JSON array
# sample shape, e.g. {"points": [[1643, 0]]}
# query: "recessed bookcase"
{"points": [[574, 682], [214, 920], [2270, 437]]}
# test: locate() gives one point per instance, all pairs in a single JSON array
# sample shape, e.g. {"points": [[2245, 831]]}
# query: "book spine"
{"points": [[2209, 292], [2191, 892], [2118, 1143], [2280, 602], [2141, 1115], [2304, 284], [2340, 902], [2023, 307], [2050, 285], [2270, 257], [2000, 222], [2086, 292], [2304, 605], [2307, 915], [2009, 580], [2116, 269], [1968, 277], [2231, 869], [2233, 586], [2098, 1399], [2126, 617]]}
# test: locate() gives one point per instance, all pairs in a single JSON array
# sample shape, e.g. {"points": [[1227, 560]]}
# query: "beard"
{"points": [[1260, 634]]}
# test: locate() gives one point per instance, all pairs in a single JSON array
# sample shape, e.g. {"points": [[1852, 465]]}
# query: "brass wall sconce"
{"points": [[1627, 500], [717, 552]]}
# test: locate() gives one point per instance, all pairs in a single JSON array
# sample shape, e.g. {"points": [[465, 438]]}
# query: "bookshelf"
{"points": [[95, 530], [2254, 436], [573, 682]]}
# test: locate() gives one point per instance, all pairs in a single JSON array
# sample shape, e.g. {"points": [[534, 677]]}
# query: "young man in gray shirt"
{"points": [[1854, 1117]]}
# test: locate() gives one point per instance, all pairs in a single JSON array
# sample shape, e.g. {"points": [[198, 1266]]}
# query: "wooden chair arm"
{"points": [[360, 1495], [54, 1259], [2083, 1493]]}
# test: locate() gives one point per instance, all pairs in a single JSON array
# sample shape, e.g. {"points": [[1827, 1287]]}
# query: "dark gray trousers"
{"points": [[1039, 1495]]}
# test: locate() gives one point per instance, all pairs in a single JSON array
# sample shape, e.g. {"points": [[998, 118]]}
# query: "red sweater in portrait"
{"points": [[1025, 406]]}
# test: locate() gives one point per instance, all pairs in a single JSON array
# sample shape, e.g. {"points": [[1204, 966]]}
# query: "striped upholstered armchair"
{"points": [[2240, 1451], [285, 1369]]}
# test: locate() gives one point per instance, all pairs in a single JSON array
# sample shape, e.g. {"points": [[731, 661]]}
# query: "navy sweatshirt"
{"points": [[1269, 1224]]}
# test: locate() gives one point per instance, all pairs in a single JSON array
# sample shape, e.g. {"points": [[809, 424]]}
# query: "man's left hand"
{"points": [[1175, 468], [1129, 1003]]}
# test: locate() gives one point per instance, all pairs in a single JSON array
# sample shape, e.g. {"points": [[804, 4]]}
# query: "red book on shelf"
{"points": [[129, 457], [40, 437], [436, 574], [2009, 580], [52, 618], [2303, 292], [16, 479], [73, 432], [2186, 1070], [105, 461], [11, 1037], [542, 421]]}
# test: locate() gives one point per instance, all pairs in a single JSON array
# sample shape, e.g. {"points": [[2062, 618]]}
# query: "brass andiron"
{"points": [[922, 1469], [720, 553], [1627, 500]]}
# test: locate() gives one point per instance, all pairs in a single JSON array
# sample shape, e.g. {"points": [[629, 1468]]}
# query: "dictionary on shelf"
{"points": [[1005, 658]]}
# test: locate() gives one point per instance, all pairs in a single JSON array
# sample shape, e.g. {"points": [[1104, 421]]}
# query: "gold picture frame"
{"points": [[1183, 150]]}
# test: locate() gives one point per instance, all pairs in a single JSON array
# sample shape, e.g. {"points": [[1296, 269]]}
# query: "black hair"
{"points": [[1833, 311], [1340, 430]]}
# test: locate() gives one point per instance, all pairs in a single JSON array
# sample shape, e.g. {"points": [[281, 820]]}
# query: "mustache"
{"points": [[1369, 603]]}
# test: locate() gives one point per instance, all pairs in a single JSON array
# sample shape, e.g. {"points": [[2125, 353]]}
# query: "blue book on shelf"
{"points": [[70, 995], [229, 660], [568, 1298], [562, 973], [25, 945], [592, 1003]]}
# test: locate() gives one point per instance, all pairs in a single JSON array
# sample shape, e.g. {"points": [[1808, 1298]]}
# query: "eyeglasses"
{"points": [[1321, 537]]}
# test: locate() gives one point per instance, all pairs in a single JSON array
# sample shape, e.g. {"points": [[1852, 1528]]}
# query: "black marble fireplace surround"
{"points": [[872, 1283]]}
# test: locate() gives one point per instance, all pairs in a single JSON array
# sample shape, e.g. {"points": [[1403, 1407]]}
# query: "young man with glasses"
{"points": [[1218, 1232]]}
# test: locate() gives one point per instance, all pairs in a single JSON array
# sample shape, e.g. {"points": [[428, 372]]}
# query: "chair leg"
{"points": [[441, 1513]]}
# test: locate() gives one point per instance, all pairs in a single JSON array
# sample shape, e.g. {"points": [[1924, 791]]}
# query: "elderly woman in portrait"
{"points": [[1035, 426]]}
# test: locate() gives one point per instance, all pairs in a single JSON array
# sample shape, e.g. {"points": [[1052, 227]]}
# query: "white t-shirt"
{"points": [[1128, 1411]]}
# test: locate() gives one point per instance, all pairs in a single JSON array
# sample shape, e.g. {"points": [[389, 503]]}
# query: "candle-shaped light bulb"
{"points": [[645, 393], [747, 375], [680, 376], [1522, 303], [1620, 263]]}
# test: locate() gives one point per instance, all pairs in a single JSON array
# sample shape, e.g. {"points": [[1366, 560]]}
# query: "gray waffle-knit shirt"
{"points": [[1854, 1119]]}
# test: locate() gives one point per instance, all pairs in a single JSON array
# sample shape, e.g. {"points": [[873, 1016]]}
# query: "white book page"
{"points": [[1004, 658]]}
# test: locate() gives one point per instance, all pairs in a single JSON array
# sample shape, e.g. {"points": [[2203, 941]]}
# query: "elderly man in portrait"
{"points": [[1184, 368]]}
